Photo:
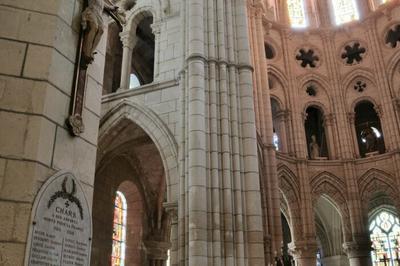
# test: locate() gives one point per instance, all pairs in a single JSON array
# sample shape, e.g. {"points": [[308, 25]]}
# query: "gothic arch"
{"points": [[290, 190], [361, 99], [319, 79], [278, 74], [393, 66], [130, 112], [374, 181], [322, 87], [137, 15], [317, 104], [362, 73], [329, 185]]}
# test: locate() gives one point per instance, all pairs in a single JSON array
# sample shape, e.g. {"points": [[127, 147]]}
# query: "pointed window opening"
{"points": [[345, 11], [297, 13], [385, 237], [119, 231]]}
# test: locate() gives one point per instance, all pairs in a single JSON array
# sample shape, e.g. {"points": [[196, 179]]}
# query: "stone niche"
{"points": [[61, 226]]}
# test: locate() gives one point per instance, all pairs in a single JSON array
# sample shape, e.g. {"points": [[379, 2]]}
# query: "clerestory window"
{"points": [[297, 14], [345, 11]]}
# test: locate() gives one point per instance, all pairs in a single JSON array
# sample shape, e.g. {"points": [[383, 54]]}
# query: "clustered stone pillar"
{"points": [[128, 43], [220, 215], [157, 252], [263, 112]]}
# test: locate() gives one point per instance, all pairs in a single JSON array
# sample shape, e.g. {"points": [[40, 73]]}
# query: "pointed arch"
{"points": [[290, 189], [377, 181], [313, 77], [334, 188], [278, 74], [137, 14], [129, 112], [363, 73]]}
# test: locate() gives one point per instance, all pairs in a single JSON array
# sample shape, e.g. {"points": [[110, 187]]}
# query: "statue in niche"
{"points": [[314, 148], [370, 139], [93, 25]]}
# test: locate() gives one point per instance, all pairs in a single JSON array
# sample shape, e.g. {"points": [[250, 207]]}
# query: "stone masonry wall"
{"points": [[38, 41]]}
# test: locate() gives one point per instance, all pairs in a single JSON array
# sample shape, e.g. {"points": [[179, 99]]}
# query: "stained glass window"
{"points": [[345, 11], [385, 237], [297, 13], [119, 231]]}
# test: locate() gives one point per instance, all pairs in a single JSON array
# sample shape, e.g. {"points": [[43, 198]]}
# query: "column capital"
{"points": [[378, 110], [357, 249], [172, 209], [156, 27], [303, 249], [157, 250], [127, 39], [304, 116], [329, 119], [351, 116]]}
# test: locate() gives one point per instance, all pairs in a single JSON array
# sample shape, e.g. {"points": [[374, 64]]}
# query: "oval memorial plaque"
{"points": [[61, 228]]}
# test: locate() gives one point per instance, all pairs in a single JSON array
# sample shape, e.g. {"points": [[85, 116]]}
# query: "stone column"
{"points": [[304, 252], [156, 28], [128, 42], [351, 118], [280, 129], [328, 121], [359, 254]]}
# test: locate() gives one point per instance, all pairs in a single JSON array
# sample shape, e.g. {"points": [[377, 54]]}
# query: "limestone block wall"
{"points": [[38, 41]]}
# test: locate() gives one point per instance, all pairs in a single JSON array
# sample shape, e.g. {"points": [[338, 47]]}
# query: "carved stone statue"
{"points": [[370, 139], [314, 148], [93, 25]]}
